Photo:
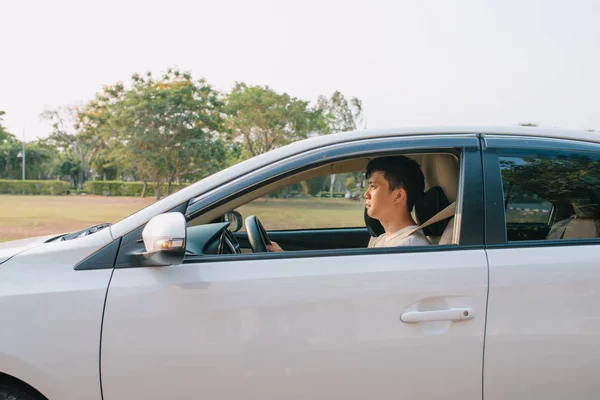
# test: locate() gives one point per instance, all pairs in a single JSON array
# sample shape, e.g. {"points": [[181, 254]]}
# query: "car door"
{"points": [[309, 324], [543, 324]]}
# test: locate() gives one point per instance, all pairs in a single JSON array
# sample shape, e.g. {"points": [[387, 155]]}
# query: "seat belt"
{"points": [[445, 213]]}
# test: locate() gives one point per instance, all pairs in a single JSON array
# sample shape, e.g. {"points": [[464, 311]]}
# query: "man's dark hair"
{"points": [[400, 172]]}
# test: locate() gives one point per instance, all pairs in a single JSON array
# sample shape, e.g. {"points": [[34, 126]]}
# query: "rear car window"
{"points": [[551, 195]]}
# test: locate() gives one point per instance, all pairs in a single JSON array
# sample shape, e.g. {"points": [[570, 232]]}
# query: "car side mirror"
{"points": [[235, 220], [165, 239]]}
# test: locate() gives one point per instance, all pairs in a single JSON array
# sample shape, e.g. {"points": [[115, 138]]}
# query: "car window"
{"points": [[330, 201], [551, 195]]}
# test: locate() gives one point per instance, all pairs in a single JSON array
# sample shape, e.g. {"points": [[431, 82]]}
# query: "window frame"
{"points": [[469, 223], [495, 230]]}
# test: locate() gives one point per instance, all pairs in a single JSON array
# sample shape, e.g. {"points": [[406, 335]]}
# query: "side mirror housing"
{"points": [[165, 239], [235, 220]]}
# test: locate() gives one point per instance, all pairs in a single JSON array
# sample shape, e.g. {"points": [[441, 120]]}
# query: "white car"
{"points": [[175, 301]]}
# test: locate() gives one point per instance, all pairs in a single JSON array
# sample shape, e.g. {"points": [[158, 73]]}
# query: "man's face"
{"points": [[380, 201]]}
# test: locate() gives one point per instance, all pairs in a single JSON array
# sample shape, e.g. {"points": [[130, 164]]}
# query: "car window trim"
{"points": [[538, 143], [495, 216], [546, 243], [327, 253], [469, 217]]}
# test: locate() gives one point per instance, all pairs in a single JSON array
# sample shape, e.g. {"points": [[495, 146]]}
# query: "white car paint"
{"points": [[297, 328], [27, 243], [51, 318], [14, 247], [543, 324]]}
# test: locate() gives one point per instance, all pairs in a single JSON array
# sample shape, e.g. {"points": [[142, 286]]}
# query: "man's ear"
{"points": [[400, 195]]}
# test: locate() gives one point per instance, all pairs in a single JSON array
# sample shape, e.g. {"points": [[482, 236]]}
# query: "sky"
{"points": [[412, 63]]}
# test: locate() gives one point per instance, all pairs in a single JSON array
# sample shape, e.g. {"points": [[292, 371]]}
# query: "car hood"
{"points": [[14, 247]]}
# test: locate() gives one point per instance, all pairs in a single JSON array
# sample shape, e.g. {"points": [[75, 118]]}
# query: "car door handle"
{"points": [[453, 314]]}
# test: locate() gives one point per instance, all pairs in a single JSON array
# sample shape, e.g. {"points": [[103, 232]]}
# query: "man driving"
{"points": [[394, 185]]}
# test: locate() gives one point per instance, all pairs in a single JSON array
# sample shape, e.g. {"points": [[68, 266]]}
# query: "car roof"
{"points": [[540, 132]]}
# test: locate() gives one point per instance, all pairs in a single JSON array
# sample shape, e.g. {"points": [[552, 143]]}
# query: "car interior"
{"points": [[213, 232], [566, 220], [569, 217]]}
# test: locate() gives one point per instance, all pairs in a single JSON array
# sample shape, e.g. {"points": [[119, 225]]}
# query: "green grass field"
{"points": [[276, 214], [27, 216]]}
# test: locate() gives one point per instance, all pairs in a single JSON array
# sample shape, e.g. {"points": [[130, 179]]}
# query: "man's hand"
{"points": [[274, 247]]}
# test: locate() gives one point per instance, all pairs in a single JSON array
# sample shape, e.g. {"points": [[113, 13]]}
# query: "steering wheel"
{"points": [[257, 235]]}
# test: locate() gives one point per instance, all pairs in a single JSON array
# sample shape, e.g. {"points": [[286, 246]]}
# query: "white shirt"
{"points": [[399, 238]]}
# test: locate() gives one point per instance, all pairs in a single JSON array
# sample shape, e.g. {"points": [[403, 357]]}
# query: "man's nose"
{"points": [[366, 195]]}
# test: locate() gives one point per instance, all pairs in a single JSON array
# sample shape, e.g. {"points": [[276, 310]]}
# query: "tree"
{"points": [[340, 115], [67, 167], [38, 157], [10, 163], [39, 160], [350, 183], [69, 136], [162, 129], [6, 141], [313, 186], [262, 119], [5, 136]]}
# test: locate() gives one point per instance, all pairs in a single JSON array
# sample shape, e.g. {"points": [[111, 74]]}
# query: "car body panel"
{"points": [[51, 318], [296, 325], [296, 328], [543, 327], [14, 247], [24, 244]]}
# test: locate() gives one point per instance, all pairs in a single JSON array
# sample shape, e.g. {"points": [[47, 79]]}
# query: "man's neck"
{"points": [[394, 225]]}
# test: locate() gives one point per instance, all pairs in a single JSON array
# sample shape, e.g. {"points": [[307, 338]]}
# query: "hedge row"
{"points": [[119, 188], [33, 187], [102, 188], [337, 195]]}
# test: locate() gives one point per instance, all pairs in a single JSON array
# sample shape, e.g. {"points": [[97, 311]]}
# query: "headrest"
{"points": [[432, 202], [586, 203]]}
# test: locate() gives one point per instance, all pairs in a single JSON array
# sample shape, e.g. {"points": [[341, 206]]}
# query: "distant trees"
{"points": [[6, 140], [38, 156], [5, 136], [171, 128], [75, 147]]}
